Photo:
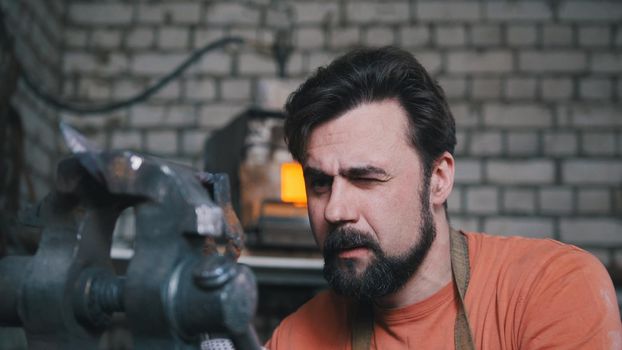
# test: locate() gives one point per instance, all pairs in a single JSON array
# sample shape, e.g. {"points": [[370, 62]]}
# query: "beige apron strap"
{"points": [[363, 320], [463, 337]]}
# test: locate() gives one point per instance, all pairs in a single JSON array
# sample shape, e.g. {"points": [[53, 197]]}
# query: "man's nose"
{"points": [[340, 207]]}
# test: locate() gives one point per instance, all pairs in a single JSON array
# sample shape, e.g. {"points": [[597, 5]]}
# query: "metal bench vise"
{"points": [[177, 288]]}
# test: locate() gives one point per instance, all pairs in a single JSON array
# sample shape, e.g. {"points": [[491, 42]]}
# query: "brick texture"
{"points": [[480, 62], [374, 12], [585, 11], [523, 226], [558, 61], [517, 115], [100, 14], [535, 87], [220, 13], [452, 11], [593, 171], [556, 200], [526, 11], [534, 171], [584, 230]]}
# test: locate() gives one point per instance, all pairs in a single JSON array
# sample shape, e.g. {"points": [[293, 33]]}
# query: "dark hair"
{"points": [[373, 75]]}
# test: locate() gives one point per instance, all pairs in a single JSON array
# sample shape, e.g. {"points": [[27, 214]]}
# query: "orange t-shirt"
{"points": [[523, 294]]}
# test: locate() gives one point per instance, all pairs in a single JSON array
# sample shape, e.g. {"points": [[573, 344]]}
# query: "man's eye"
{"points": [[320, 184], [366, 180]]}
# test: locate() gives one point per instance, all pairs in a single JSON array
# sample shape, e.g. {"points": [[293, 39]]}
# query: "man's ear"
{"points": [[442, 179]]}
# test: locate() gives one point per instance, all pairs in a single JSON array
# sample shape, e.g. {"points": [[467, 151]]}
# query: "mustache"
{"points": [[344, 238]]}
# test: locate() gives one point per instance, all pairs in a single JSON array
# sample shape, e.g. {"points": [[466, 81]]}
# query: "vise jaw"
{"points": [[177, 287]]}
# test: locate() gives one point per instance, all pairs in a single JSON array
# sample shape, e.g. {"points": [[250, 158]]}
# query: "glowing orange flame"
{"points": [[293, 184]]}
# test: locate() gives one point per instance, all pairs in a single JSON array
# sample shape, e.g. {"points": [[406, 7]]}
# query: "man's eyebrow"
{"points": [[368, 170], [353, 172], [310, 171]]}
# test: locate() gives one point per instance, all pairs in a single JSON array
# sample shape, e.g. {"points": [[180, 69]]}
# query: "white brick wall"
{"points": [[552, 61], [315, 13], [374, 12], [231, 13], [486, 88], [480, 62], [414, 36], [173, 38], [586, 11], [536, 171], [179, 13], [595, 115], [453, 87], [521, 34], [595, 35], [252, 63], [200, 89], [156, 64], [485, 143], [557, 35], [127, 139], [585, 230], [606, 63], [485, 35], [592, 171], [535, 87], [215, 116], [236, 90], [192, 141], [598, 143], [556, 200], [452, 35], [140, 38], [517, 115], [310, 38], [452, 11], [519, 201], [216, 63], [344, 37], [79, 62], [522, 143], [468, 171], [521, 88], [595, 89], [379, 35], [556, 88], [105, 38], [431, 60], [525, 11], [483, 200], [161, 142], [593, 201], [465, 115], [100, 14], [523, 226], [560, 143], [147, 116]]}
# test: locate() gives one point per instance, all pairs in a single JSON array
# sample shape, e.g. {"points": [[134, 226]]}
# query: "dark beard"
{"points": [[384, 274]]}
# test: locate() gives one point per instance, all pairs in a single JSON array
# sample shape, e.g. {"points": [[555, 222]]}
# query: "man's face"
{"points": [[368, 200]]}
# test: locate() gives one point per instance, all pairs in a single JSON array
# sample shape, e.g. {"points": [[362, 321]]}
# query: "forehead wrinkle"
{"points": [[385, 136]]}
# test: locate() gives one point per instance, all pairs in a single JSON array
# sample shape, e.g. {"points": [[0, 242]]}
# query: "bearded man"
{"points": [[375, 137]]}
